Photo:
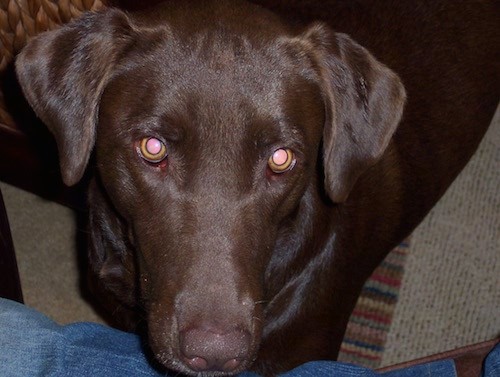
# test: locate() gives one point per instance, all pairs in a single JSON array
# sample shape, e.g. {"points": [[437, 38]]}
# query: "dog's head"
{"points": [[216, 130]]}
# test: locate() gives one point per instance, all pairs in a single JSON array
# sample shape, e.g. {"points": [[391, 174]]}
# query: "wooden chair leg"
{"points": [[10, 285]]}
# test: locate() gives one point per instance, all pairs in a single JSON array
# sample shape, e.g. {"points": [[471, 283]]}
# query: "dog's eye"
{"points": [[152, 150], [282, 160]]}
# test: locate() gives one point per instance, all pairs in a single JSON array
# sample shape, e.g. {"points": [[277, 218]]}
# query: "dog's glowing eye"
{"points": [[152, 150], [281, 160]]}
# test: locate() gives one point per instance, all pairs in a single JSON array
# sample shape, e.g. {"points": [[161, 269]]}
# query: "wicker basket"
{"points": [[22, 19]]}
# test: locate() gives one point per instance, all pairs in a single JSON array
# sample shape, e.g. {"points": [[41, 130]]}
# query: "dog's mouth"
{"points": [[223, 355], [217, 364], [205, 348]]}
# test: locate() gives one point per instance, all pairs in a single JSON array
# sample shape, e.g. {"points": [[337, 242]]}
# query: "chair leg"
{"points": [[10, 285]]}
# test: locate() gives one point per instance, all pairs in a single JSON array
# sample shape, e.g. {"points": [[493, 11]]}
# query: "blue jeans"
{"points": [[33, 345]]}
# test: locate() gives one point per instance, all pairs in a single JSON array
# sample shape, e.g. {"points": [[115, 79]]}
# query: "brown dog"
{"points": [[250, 168]]}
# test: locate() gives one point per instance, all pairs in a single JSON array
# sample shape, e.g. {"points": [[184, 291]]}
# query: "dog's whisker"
{"points": [[262, 302], [258, 319]]}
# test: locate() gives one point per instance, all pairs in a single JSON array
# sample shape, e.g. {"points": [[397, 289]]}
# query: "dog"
{"points": [[254, 162]]}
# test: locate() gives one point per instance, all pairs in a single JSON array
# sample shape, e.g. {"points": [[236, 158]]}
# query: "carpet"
{"points": [[369, 324], [450, 296]]}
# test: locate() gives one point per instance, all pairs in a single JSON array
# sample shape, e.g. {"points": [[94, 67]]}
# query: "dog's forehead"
{"points": [[219, 68], [218, 75], [200, 97], [216, 43]]}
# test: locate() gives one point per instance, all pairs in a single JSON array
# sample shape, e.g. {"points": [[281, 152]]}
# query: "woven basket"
{"points": [[22, 19]]}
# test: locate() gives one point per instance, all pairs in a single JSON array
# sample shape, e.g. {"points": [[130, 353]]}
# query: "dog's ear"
{"points": [[364, 102], [113, 272], [63, 74]]}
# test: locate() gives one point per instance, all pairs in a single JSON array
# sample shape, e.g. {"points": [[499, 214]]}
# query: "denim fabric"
{"points": [[444, 368], [492, 363], [32, 345]]}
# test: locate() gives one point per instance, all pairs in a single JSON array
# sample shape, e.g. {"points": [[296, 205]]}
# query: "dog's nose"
{"points": [[210, 349]]}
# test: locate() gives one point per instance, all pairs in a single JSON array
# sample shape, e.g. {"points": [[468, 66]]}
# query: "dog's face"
{"points": [[208, 136], [205, 159]]}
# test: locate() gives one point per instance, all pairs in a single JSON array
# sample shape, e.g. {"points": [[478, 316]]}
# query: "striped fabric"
{"points": [[371, 319]]}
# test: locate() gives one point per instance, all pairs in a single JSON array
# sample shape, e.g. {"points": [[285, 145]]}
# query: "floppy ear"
{"points": [[110, 254], [364, 102], [63, 74]]}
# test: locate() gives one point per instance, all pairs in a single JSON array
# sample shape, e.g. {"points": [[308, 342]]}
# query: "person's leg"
{"points": [[492, 363], [33, 345], [443, 368]]}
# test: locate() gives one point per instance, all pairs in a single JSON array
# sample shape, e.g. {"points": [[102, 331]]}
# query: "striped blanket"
{"points": [[371, 319]]}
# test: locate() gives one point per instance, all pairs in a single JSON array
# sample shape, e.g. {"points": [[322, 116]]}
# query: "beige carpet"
{"points": [[451, 290], [450, 295]]}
